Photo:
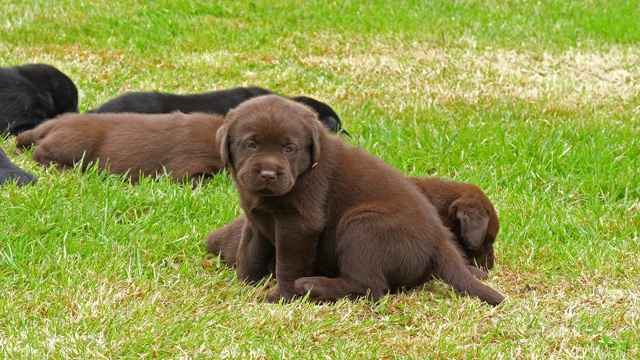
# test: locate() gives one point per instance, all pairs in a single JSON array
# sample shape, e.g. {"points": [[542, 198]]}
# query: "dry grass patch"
{"points": [[570, 80]]}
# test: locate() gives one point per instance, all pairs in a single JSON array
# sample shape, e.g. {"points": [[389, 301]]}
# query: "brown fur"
{"points": [[317, 203], [225, 241], [463, 208], [183, 145], [468, 213]]}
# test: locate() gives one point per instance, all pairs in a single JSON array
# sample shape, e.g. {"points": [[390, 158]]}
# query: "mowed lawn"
{"points": [[537, 102]]}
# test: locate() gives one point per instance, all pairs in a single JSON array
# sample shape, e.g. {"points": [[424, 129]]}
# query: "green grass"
{"points": [[535, 101]]}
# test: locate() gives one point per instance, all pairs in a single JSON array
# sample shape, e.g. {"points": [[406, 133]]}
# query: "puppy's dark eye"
{"points": [[251, 145], [289, 149]]}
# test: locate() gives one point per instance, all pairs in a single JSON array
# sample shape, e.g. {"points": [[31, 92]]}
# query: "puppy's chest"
{"points": [[267, 227], [282, 221], [264, 220]]}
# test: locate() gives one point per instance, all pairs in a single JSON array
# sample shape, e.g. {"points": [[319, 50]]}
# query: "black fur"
{"points": [[33, 93], [9, 172], [216, 102]]}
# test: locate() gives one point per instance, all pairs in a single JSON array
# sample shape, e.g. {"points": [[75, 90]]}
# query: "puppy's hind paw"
{"points": [[310, 285], [303, 285]]}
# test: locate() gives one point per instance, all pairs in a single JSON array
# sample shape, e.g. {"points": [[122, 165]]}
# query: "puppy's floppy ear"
{"points": [[473, 222], [316, 130], [222, 138]]}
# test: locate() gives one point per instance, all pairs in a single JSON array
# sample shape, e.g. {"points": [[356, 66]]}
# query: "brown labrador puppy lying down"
{"points": [[468, 213], [318, 203], [463, 208], [181, 144]]}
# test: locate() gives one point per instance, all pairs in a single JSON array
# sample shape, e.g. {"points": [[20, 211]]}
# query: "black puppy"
{"points": [[33, 93], [216, 102], [9, 171]]}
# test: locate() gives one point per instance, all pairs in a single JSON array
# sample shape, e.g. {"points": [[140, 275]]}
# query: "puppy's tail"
{"points": [[30, 137], [450, 266]]}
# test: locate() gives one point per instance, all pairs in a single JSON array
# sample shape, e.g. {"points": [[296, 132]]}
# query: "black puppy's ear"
{"points": [[473, 223], [222, 139]]}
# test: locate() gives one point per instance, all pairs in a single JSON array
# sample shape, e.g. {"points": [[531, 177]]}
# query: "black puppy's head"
{"points": [[47, 78], [22, 104], [326, 114]]}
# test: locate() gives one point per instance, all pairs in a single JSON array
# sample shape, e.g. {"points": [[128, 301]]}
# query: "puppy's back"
{"points": [[130, 143], [215, 102], [22, 104]]}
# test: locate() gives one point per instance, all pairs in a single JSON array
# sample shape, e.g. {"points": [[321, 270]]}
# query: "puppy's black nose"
{"points": [[268, 175]]}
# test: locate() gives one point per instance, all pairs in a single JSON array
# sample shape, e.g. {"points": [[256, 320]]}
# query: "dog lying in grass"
{"points": [[182, 145], [313, 202], [10, 172], [215, 102], [33, 93], [463, 208]]}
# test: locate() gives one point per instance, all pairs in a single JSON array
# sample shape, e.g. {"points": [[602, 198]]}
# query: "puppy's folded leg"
{"points": [[225, 240], [10, 172], [254, 255], [295, 256]]}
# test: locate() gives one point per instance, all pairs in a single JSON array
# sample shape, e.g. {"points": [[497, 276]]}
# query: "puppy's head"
{"points": [[61, 89], [267, 142], [477, 226]]}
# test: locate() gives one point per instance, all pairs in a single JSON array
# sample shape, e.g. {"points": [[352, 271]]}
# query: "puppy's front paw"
{"points": [[280, 294], [273, 296]]}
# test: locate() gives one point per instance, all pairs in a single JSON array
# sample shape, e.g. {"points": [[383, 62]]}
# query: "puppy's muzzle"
{"points": [[268, 175], [265, 180]]}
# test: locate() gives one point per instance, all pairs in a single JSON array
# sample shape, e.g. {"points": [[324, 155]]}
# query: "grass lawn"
{"points": [[537, 102]]}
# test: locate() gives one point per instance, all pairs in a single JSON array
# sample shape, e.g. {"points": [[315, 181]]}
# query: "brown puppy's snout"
{"points": [[268, 175]]}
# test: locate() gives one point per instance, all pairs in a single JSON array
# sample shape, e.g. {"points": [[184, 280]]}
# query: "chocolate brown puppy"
{"points": [[463, 208], [183, 145], [317, 203], [226, 240], [468, 213]]}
